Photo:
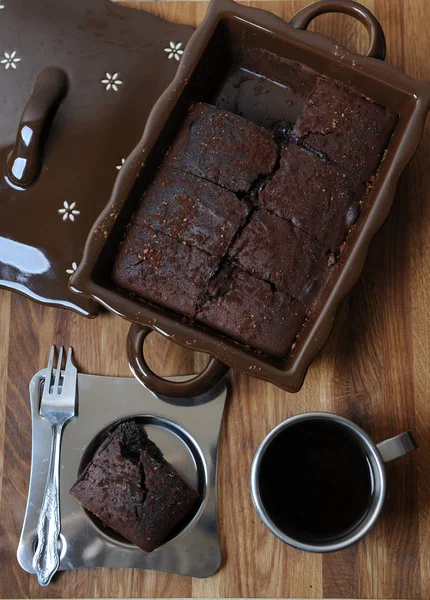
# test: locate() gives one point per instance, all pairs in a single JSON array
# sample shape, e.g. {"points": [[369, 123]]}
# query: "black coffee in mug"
{"points": [[316, 482]]}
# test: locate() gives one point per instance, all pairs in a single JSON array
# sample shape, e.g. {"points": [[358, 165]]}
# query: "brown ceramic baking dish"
{"points": [[231, 34]]}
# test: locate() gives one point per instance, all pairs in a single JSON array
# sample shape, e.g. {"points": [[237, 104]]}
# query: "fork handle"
{"points": [[46, 559]]}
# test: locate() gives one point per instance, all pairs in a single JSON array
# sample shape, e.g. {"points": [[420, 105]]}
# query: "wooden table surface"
{"points": [[374, 370]]}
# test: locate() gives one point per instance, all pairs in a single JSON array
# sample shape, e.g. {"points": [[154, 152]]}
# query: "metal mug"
{"points": [[377, 455]]}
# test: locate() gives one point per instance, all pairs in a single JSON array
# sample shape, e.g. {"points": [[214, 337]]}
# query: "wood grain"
{"points": [[374, 370]]}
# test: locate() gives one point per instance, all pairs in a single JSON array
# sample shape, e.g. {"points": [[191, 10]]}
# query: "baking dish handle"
{"points": [[377, 38], [205, 381]]}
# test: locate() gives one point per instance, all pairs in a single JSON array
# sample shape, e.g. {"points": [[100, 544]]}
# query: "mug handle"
{"points": [[212, 374], [397, 446], [348, 7]]}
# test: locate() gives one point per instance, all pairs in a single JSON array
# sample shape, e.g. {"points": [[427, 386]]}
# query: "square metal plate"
{"points": [[187, 433]]}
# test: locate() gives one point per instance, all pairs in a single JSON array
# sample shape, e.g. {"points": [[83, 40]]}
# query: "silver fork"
{"points": [[58, 406]]}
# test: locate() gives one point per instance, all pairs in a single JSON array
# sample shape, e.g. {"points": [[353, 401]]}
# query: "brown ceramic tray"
{"points": [[44, 224], [227, 35]]}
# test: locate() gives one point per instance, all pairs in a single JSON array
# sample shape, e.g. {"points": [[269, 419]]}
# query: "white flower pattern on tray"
{"points": [[10, 60], [174, 50], [68, 211], [72, 268], [111, 82], [119, 167]]}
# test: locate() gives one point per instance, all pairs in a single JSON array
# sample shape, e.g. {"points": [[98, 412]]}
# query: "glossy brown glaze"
{"points": [[229, 32], [116, 66], [25, 160], [203, 382]]}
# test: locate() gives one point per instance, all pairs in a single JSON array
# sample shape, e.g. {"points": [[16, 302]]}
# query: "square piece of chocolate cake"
{"points": [[192, 210], [157, 268], [133, 490], [274, 250], [222, 147], [248, 310], [315, 195], [347, 128]]}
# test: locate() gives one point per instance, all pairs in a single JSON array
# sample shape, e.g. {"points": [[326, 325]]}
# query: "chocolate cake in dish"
{"points": [[347, 128], [192, 210], [222, 147], [241, 226], [157, 268], [313, 194], [250, 311], [133, 490], [274, 250]]}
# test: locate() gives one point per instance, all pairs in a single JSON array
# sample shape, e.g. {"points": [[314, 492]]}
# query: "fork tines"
{"points": [[60, 375]]}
